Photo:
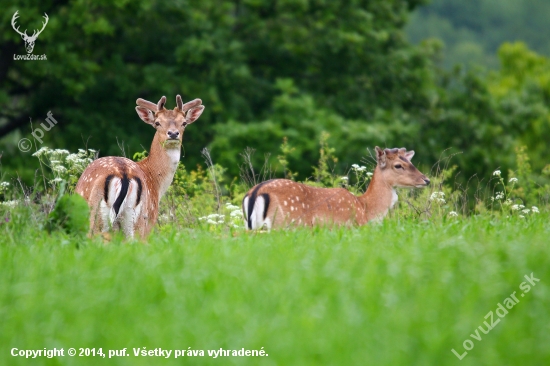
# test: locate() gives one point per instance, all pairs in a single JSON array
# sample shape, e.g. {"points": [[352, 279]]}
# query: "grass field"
{"points": [[399, 293]]}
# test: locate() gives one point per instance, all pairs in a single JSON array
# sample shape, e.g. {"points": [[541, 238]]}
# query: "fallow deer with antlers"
{"points": [[123, 194], [29, 40], [281, 202]]}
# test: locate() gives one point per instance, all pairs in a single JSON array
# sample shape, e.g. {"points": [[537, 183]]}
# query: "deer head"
{"points": [[29, 40], [170, 124], [397, 169]]}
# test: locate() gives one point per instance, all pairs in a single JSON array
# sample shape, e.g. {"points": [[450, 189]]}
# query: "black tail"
{"points": [[125, 182]]}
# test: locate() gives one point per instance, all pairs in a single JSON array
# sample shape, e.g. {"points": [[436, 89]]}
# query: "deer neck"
{"points": [[161, 164], [379, 198]]}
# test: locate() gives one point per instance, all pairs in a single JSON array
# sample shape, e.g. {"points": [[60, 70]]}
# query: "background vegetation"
{"points": [[267, 70], [474, 30]]}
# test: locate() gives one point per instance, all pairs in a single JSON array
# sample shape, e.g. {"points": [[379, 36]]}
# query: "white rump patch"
{"points": [[257, 215], [128, 213], [245, 211]]}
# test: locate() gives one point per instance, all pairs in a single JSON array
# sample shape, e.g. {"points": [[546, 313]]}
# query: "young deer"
{"points": [[280, 202], [123, 194]]}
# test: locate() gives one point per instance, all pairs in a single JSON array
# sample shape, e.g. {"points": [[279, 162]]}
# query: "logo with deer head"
{"points": [[29, 40]]}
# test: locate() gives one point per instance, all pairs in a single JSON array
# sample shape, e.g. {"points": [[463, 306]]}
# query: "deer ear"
{"points": [[146, 115], [409, 155], [193, 114], [380, 157]]}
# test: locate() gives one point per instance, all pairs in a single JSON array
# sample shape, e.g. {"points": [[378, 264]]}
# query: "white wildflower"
{"points": [[74, 159], [59, 169], [453, 214], [61, 152], [56, 180], [235, 214], [10, 204], [369, 174], [209, 221], [497, 173], [499, 196], [231, 207], [535, 209], [508, 202], [355, 166], [344, 178], [41, 151], [513, 180], [214, 216], [517, 207], [438, 197], [521, 216], [526, 211]]}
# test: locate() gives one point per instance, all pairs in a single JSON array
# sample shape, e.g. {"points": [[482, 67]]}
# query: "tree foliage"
{"points": [[474, 30], [266, 71]]}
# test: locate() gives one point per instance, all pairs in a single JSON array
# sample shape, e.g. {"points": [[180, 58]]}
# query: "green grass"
{"points": [[399, 293]]}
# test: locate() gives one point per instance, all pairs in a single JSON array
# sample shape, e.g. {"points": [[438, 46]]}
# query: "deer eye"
{"points": [[184, 124], [398, 166], [157, 123]]}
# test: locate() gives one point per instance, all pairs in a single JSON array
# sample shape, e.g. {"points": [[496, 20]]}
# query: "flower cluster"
{"points": [[4, 186], [64, 165], [525, 211], [438, 197], [235, 217], [10, 204], [453, 214], [213, 219], [358, 168], [361, 176], [517, 207]]}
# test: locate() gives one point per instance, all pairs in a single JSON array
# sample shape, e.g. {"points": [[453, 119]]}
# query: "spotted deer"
{"points": [[281, 202], [123, 194]]}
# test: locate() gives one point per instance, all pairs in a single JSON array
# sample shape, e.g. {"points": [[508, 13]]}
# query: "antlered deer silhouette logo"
{"points": [[29, 40]]}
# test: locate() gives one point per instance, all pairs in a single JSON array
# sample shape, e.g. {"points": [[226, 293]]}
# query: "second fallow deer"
{"points": [[281, 202], [123, 194]]}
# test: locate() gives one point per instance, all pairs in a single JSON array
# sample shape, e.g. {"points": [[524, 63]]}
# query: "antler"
{"points": [[43, 26], [187, 106], [13, 19], [147, 104], [161, 103]]}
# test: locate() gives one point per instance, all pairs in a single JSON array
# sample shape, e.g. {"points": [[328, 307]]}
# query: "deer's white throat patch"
{"points": [[174, 157], [394, 198]]}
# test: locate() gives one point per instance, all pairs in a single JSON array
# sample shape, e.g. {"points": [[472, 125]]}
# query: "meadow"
{"points": [[421, 288], [457, 274], [404, 292]]}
